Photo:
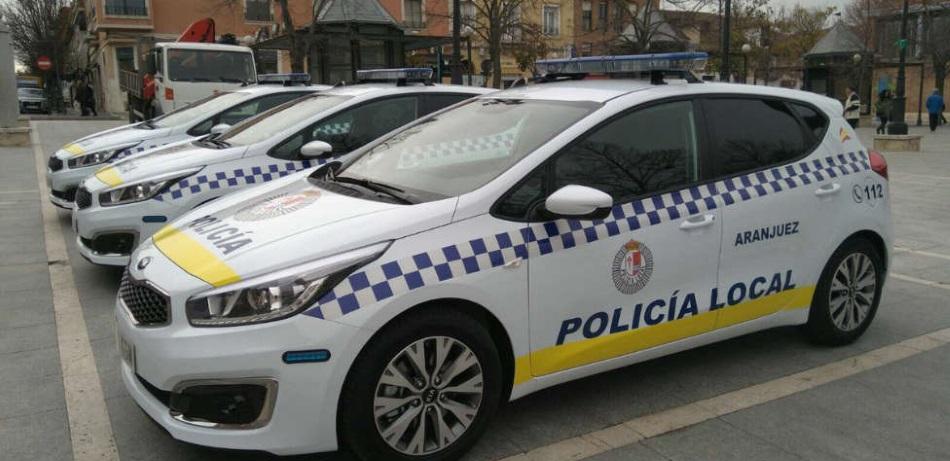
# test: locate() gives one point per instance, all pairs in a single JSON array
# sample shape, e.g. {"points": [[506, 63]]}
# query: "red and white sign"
{"points": [[44, 63]]}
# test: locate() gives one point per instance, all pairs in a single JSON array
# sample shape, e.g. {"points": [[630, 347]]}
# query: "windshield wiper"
{"points": [[392, 191]]}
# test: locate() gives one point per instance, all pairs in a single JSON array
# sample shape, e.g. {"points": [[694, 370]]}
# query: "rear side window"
{"points": [[435, 102], [748, 134], [815, 122]]}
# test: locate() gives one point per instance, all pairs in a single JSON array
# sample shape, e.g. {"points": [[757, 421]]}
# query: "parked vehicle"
{"points": [[32, 100]]}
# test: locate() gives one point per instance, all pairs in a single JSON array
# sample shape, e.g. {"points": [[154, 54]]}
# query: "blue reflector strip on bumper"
{"points": [[318, 355]]}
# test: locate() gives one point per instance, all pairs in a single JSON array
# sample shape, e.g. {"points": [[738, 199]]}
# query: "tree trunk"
{"points": [[940, 76], [494, 53], [297, 49]]}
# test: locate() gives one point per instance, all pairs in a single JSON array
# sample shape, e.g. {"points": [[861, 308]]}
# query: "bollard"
{"points": [[9, 106]]}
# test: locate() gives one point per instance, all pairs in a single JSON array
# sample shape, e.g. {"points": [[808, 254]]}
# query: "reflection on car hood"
{"points": [[177, 157], [278, 227], [110, 139]]}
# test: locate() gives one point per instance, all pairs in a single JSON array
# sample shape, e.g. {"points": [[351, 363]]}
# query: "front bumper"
{"points": [[64, 180], [303, 416], [96, 221]]}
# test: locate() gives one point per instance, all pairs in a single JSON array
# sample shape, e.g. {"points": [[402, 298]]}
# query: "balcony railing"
{"points": [[126, 9]]}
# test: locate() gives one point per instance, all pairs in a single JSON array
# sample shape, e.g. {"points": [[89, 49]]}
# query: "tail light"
{"points": [[169, 94], [878, 163]]}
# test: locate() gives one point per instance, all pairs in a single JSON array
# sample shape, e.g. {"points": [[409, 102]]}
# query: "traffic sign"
{"points": [[44, 63]]}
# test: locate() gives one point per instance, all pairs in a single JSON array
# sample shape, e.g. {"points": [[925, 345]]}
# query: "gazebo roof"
{"points": [[838, 40], [361, 11]]}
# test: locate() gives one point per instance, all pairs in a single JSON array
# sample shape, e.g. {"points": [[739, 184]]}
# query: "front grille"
{"points": [[68, 195], [83, 198], [55, 164], [147, 306]]}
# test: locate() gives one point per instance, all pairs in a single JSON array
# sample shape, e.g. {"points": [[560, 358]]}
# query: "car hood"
{"points": [[180, 157], [123, 136], [279, 227]]}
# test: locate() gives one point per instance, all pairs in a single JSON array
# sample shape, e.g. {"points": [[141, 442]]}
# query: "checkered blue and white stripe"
{"points": [[378, 282], [134, 150], [237, 177], [469, 149]]}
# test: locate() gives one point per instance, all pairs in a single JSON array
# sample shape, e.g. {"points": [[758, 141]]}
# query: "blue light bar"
{"points": [[689, 61], [418, 74], [283, 79]]}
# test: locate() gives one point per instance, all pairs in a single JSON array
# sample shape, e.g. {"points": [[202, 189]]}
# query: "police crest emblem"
{"points": [[632, 267], [277, 205]]}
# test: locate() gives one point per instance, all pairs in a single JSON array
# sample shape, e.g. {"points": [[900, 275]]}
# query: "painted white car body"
{"points": [[204, 172], [548, 284], [135, 139]]}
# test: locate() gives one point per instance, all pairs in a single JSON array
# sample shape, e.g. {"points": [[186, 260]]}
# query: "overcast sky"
{"points": [[809, 3]]}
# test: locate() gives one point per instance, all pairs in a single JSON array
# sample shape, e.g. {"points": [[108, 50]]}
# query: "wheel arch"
{"points": [[876, 241]]}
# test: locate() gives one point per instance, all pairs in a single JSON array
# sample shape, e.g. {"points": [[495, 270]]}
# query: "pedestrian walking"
{"points": [[935, 105], [852, 108], [87, 99], [885, 104]]}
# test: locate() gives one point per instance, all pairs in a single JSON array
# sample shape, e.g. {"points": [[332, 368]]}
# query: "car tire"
{"points": [[843, 306], [461, 337]]}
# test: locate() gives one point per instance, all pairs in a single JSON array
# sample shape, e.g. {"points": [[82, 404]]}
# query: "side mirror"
{"points": [[314, 149], [579, 202], [220, 128]]}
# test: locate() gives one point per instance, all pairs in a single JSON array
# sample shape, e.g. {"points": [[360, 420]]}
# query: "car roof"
{"points": [[603, 90], [382, 89]]}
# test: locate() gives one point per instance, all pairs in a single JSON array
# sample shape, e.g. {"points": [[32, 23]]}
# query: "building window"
{"points": [[586, 49], [467, 11], [126, 8], [602, 15], [125, 57], [512, 31], [619, 17], [587, 22], [412, 14], [551, 20], [258, 10]]}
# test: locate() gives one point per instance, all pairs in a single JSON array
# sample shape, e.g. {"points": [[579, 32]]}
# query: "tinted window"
{"points": [[813, 120], [186, 65], [353, 128], [434, 102], [750, 134], [238, 113], [646, 151]]}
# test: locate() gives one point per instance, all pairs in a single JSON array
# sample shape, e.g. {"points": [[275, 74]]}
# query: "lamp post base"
{"points": [[897, 128]]}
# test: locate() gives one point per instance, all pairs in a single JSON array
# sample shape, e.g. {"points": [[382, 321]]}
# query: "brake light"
{"points": [[169, 94], [878, 163]]}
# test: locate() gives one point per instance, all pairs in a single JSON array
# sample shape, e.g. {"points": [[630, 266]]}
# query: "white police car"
{"points": [[79, 159], [516, 241], [127, 202]]}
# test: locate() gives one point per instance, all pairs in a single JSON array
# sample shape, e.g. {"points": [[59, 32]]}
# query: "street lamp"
{"points": [[857, 63], [898, 125], [746, 48]]}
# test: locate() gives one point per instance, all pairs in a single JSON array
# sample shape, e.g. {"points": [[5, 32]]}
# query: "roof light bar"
{"points": [[283, 79], [685, 61], [409, 74]]}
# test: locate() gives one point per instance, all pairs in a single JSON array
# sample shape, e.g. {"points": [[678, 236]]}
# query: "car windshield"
{"points": [[199, 110], [32, 92], [463, 149], [265, 125], [210, 66]]}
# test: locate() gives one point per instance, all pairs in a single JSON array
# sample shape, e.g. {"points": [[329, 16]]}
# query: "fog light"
{"points": [[244, 403]]}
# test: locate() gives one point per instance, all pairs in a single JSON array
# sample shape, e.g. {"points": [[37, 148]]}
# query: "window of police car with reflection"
{"points": [[464, 148], [195, 111], [642, 152], [264, 126]]}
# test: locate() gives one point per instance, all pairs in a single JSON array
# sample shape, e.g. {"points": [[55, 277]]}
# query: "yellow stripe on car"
{"points": [[584, 352], [193, 257], [74, 149], [109, 176]]}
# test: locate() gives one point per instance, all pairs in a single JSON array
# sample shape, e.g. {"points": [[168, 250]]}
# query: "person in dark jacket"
{"points": [[884, 105], [87, 99], [935, 107]]}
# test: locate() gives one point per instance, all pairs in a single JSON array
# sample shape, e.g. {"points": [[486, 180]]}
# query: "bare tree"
{"points": [[935, 40], [497, 22], [41, 28], [300, 40], [646, 23]]}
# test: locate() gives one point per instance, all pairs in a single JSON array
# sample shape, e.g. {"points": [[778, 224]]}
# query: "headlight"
{"points": [[96, 158], [140, 191], [278, 295]]}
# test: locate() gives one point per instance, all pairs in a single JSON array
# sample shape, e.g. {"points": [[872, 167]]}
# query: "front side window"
{"points": [[644, 152], [242, 111], [210, 66], [198, 110], [749, 134], [264, 126], [353, 128], [462, 149]]}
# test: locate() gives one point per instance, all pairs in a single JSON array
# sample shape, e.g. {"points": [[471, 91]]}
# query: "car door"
{"points": [[601, 289], [779, 201]]}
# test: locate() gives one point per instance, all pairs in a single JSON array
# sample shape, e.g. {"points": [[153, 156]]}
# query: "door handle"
{"points": [[828, 189], [698, 221]]}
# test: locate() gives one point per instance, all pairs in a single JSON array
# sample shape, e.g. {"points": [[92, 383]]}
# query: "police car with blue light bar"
{"points": [[389, 303], [126, 202], [80, 159]]}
